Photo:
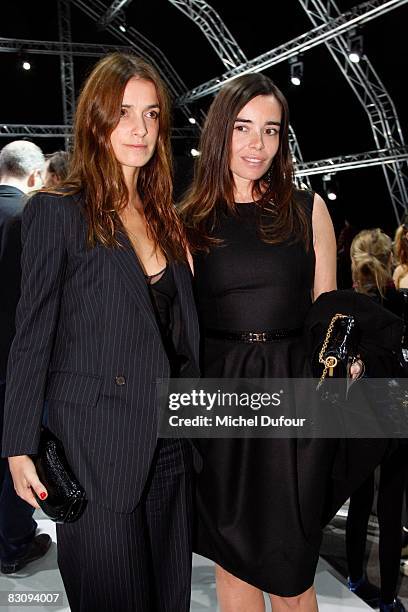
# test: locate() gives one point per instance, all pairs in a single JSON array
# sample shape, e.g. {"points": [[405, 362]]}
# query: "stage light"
{"points": [[192, 120], [121, 17], [296, 72], [194, 153], [26, 65], [330, 186], [355, 45]]}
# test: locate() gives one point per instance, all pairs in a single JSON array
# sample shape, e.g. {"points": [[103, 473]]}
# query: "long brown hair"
{"points": [[213, 182], [371, 261], [95, 171]]}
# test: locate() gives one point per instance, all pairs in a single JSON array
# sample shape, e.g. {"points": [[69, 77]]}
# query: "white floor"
{"points": [[43, 575]]}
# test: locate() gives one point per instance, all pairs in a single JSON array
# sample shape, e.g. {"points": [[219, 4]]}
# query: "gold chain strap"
{"points": [[330, 362]]}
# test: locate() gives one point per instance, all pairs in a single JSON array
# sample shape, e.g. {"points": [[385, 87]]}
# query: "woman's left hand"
{"points": [[357, 369]]}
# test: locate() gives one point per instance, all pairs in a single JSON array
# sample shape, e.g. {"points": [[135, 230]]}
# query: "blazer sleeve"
{"points": [[43, 269]]}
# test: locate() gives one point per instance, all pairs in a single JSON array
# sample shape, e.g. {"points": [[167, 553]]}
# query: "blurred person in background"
{"points": [[21, 171], [371, 266], [400, 275], [401, 282], [344, 241], [56, 168], [371, 255]]}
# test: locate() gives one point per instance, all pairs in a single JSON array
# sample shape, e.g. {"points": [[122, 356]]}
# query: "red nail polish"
{"points": [[43, 495]]}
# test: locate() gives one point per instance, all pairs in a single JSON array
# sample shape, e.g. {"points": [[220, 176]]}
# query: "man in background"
{"points": [[21, 168]]}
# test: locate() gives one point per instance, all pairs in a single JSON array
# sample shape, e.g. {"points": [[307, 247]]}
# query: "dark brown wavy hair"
{"points": [[95, 171], [213, 183]]}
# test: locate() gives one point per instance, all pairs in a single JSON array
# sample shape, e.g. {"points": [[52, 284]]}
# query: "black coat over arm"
{"points": [[379, 343]]}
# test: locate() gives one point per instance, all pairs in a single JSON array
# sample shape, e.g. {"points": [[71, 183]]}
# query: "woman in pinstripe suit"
{"points": [[106, 309]]}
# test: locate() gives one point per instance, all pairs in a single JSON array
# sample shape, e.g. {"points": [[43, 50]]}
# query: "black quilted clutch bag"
{"points": [[66, 498], [339, 349]]}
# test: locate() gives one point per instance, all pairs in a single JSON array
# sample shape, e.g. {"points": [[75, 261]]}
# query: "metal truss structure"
{"points": [[374, 98], [66, 64], [20, 130], [135, 39], [226, 47], [343, 23], [330, 27], [112, 11], [48, 47], [297, 156], [377, 157], [214, 29]]}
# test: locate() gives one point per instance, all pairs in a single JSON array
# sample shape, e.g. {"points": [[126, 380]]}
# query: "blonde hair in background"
{"points": [[401, 246], [371, 261]]}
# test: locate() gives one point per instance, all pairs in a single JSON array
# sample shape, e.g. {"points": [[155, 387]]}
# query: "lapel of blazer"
{"points": [[183, 280], [132, 274]]}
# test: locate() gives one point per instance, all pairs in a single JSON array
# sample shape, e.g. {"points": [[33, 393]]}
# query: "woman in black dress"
{"points": [[263, 251]]}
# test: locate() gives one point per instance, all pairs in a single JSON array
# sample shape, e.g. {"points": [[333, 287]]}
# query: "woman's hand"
{"points": [[26, 480], [357, 369]]}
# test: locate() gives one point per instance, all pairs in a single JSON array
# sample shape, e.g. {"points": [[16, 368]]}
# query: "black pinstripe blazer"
{"points": [[87, 341]]}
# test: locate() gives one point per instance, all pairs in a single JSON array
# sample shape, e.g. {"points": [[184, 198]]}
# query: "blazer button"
{"points": [[120, 380]]}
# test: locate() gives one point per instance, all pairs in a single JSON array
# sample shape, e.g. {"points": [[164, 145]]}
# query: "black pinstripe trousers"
{"points": [[137, 562]]}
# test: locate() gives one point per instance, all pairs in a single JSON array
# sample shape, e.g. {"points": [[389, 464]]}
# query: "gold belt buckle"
{"points": [[257, 337]]}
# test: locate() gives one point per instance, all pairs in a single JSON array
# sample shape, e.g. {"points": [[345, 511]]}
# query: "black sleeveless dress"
{"points": [[254, 517]]}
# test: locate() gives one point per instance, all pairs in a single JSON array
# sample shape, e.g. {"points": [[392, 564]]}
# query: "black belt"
{"points": [[272, 335]]}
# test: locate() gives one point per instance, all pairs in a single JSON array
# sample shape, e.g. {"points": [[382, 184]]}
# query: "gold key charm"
{"points": [[331, 363]]}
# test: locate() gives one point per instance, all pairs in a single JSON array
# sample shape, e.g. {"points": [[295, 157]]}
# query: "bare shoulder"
{"points": [[324, 244], [321, 220], [319, 204], [320, 212], [398, 271], [190, 260]]}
